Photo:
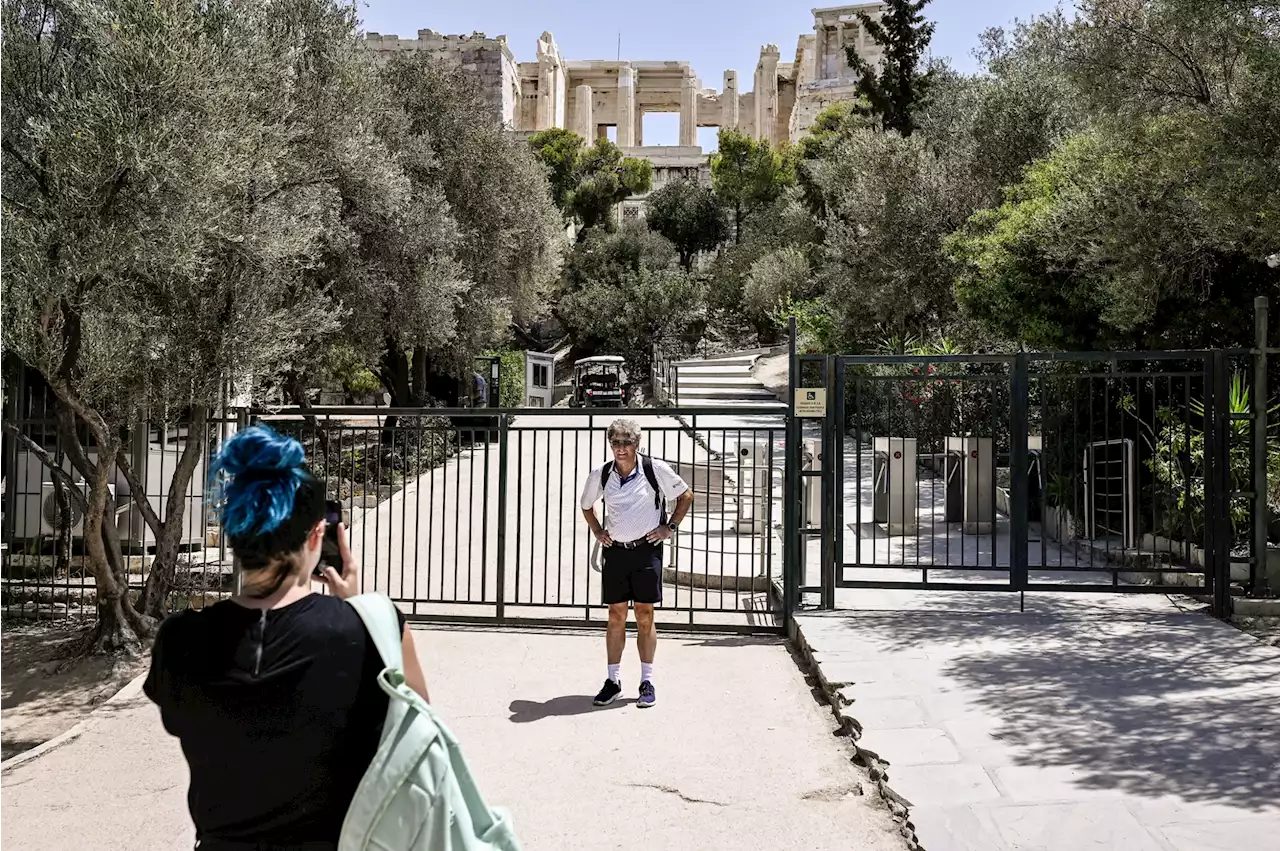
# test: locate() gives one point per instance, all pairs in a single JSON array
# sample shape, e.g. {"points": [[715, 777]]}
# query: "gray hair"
{"points": [[629, 429]]}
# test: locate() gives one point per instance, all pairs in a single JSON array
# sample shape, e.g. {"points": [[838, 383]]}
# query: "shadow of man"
{"points": [[524, 711]]}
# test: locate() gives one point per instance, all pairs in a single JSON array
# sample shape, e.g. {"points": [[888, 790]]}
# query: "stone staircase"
{"points": [[720, 381]]}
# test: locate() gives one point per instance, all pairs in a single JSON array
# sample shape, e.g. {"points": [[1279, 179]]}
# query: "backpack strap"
{"points": [[646, 464], [382, 621], [605, 472]]}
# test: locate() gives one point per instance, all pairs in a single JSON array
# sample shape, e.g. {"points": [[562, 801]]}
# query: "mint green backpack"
{"points": [[418, 794]]}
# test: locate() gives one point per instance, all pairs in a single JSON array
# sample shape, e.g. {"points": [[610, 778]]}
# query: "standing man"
{"points": [[636, 490]]}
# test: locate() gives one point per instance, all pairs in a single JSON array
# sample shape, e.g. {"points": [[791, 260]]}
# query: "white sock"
{"points": [[615, 672], [646, 672]]}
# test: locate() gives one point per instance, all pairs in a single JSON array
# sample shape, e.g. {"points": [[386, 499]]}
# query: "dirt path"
{"points": [[43, 692]]}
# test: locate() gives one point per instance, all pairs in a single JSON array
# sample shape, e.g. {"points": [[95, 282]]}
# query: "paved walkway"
{"points": [[1089, 721], [737, 755]]}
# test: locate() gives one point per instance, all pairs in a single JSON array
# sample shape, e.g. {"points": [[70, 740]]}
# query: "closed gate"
{"points": [[1116, 471]]}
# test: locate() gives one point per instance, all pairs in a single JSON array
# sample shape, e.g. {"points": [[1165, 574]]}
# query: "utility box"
{"points": [[813, 485], [539, 380], [971, 484], [750, 464], [896, 501]]}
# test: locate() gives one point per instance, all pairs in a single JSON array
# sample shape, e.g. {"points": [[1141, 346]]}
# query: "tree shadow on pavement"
{"points": [[524, 711], [1134, 699]]}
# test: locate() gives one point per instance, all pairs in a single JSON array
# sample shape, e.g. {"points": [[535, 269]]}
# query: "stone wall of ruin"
{"points": [[488, 61], [784, 101]]}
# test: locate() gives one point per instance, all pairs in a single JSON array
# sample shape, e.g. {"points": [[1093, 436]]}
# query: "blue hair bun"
{"points": [[257, 474]]}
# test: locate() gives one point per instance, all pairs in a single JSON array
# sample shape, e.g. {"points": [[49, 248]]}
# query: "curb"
{"points": [[715, 582], [130, 690], [877, 767]]}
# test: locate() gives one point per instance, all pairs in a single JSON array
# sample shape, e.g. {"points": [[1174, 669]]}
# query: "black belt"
{"points": [[634, 545]]}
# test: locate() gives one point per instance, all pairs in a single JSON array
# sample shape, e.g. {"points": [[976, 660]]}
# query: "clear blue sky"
{"points": [[714, 35]]}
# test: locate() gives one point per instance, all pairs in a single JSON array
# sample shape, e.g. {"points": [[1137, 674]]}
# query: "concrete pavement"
{"points": [[1089, 721], [737, 755]]}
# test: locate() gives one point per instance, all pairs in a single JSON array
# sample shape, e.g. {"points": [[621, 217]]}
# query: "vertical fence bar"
{"points": [[1018, 428], [1218, 485], [836, 460], [791, 501], [826, 481], [1258, 577], [502, 515], [242, 423]]}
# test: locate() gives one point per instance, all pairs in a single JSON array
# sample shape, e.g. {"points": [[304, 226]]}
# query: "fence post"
{"points": [[242, 423], [503, 444], [791, 488], [1018, 468], [827, 481], [1218, 485], [1258, 580]]}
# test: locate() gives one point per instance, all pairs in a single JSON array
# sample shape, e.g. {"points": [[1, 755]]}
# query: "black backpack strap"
{"points": [[605, 472], [659, 501], [646, 464]]}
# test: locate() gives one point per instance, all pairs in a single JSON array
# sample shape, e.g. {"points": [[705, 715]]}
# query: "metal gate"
{"points": [[1137, 472], [466, 516]]}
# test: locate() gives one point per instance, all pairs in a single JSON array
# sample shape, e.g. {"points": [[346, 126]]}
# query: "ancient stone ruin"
{"points": [[593, 96]]}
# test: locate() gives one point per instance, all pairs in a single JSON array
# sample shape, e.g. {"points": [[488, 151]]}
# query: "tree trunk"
{"points": [[418, 389], [62, 540], [393, 372], [169, 535], [295, 390], [123, 629], [120, 628]]}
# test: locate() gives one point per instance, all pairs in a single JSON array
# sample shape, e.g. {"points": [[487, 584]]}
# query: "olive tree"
{"points": [[161, 205]]}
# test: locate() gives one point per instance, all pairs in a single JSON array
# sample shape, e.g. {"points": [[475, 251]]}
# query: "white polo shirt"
{"points": [[630, 501]]}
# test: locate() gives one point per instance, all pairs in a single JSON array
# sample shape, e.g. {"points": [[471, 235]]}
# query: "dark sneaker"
{"points": [[647, 696], [608, 694]]}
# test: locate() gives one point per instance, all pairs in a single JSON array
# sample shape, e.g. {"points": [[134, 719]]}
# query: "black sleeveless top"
{"points": [[278, 712]]}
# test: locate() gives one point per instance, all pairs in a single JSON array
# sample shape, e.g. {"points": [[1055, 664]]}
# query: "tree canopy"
{"points": [[894, 91], [688, 215], [199, 194], [588, 182]]}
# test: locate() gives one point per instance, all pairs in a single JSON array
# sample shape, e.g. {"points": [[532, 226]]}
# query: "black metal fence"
{"points": [[1102, 471], [44, 570], [477, 518], [470, 516]]}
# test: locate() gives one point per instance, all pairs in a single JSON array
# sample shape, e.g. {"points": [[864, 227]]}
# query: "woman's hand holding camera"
{"points": [[347, 583]]}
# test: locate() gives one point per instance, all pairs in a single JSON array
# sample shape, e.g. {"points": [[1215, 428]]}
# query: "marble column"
{"points": [[584, 118], [729, 100], [626, 118], [767, 93], [819, 51], [689, 112], [546, 96]]}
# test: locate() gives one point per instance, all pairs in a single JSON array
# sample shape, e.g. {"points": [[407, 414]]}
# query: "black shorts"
{"points": [[632, 575]]}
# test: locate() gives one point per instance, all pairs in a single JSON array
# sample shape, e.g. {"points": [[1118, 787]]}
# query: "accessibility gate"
{"points": [[1116, 471]]}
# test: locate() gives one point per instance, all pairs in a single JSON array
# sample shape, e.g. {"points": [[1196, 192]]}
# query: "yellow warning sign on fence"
{"points": [[811, 402]]}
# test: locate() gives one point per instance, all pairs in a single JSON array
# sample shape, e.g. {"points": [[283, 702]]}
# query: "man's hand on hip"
{"points": [[662, 533], [603, 537]]}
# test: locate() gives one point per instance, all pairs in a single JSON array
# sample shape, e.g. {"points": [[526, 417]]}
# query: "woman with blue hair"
{"points": [[273, 693]]}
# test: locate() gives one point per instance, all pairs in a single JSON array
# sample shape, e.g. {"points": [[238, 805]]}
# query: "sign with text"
{"points": [[811, 402]]}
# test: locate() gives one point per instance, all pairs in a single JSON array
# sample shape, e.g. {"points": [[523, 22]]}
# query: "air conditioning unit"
{"points": [[26, 487], [155, 472], [29, 480], [51, 510]]}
